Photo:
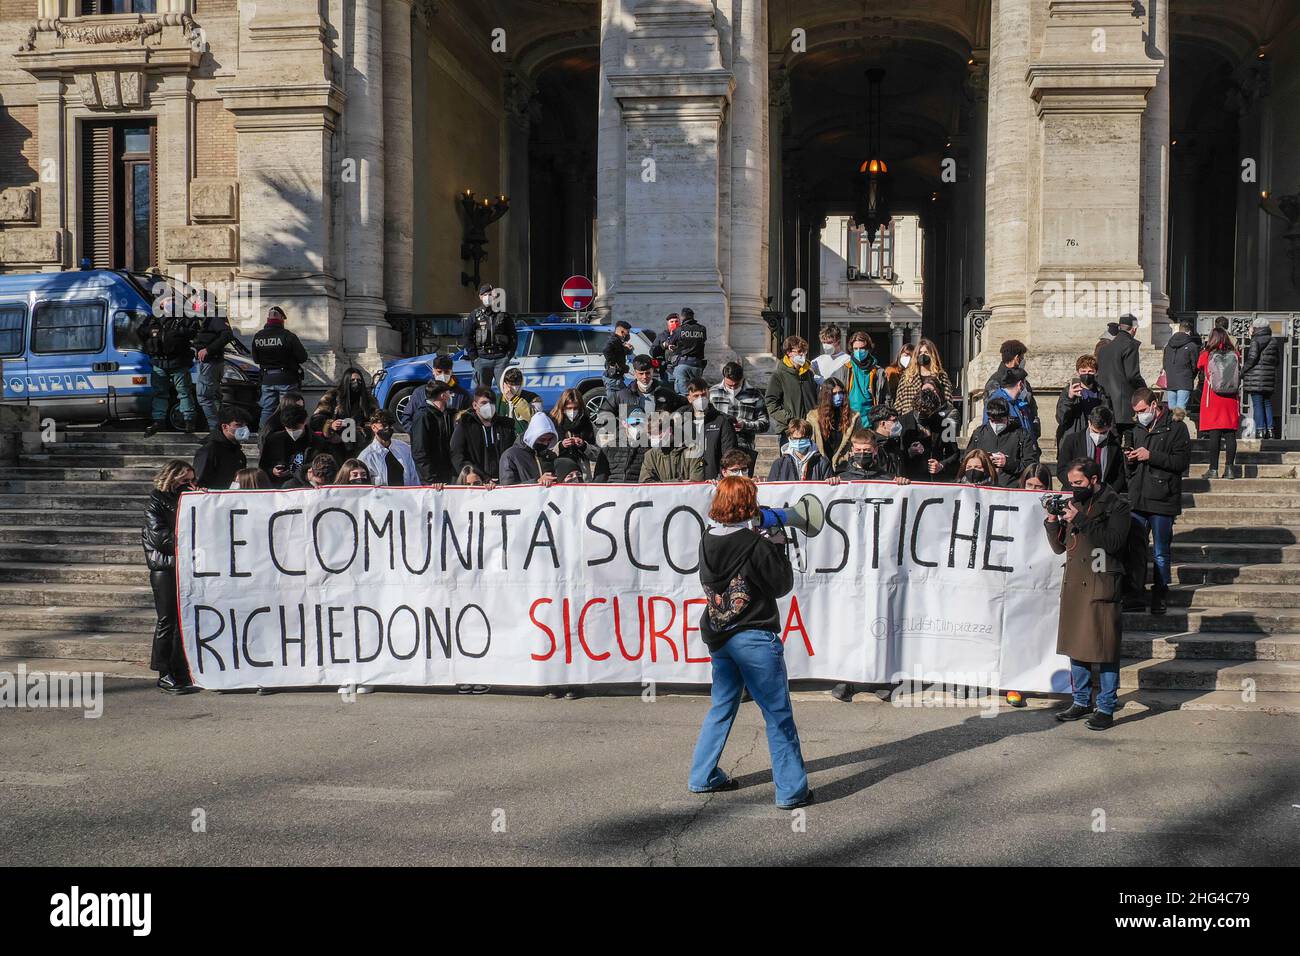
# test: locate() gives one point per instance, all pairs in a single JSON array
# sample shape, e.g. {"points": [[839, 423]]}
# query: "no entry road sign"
{"points": [[577, 292]]}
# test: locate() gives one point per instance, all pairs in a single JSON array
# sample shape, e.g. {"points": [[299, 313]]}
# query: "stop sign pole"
{"points": [[577, 294]]}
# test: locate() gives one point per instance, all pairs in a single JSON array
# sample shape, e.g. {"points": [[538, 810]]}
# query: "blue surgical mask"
{"points": [[837, 399], [860, 354], [801, 445]]}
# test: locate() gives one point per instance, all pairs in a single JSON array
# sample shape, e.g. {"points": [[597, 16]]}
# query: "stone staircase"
{"points": [[73, 585]]}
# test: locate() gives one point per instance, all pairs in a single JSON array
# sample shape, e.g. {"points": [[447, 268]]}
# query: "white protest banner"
{"points": [[589, 584]]}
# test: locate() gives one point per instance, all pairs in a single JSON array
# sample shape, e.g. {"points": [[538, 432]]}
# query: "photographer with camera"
{"points": [[168, 341], [743, 573], [1091, 528]]}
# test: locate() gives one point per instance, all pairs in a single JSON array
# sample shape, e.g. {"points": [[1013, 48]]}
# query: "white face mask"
{"points": [[904, 361], [295, 433], [570, 413], [733, 474], [633, 432], [442, 376], [797, 359], [486, 300], [485, 411], [1147, 417], [827, 348], [731, 390], [700, 404], [998, 427], [644, 386], [1096, 435]]}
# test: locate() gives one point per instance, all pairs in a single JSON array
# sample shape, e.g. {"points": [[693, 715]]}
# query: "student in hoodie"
{"points": [[791, 391], [1081, 396], [481, 436], [865, 379], [1010, 447], [458, 399], [863, 461], [743, 573], [800, 460], [888, 427], [288, 451], [531, 460]]}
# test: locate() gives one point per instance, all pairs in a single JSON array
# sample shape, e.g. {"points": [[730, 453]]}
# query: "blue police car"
{"points": [[553, 356], [72, 344]]}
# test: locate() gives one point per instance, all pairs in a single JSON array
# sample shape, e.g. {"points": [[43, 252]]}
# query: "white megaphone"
{"points": [[808, 515]]}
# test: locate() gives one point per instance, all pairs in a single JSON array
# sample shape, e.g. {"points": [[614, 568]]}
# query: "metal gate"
{"points": [[1284, 325]]}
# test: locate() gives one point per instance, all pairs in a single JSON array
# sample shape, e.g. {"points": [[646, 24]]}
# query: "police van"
{"points": [[553, 356], [71, 343]]}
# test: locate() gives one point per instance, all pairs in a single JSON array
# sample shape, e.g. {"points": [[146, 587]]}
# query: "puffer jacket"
{"points": [[158, 536], [1181, 353], [1263, 356]]}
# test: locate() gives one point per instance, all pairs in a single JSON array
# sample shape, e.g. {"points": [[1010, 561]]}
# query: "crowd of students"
{"points": [[840, 415]]}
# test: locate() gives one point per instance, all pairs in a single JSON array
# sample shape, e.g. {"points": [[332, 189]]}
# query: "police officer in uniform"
{"points": [[687, 345], [281, 356], [489, 339]]}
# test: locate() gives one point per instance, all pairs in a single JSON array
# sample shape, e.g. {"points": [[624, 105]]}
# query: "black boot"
{"points": [[1231, 472], [1158, 599], [189, 426], [1100, 721], [153, 429], [1074, 712]]}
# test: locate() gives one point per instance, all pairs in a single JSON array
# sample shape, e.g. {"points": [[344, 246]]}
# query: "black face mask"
{"points": [[975, 477], [1087, 378], [863, 461], [1083, 495], [545, 454], [359, 481], [925, 361], [355, 386], [386, 434]]}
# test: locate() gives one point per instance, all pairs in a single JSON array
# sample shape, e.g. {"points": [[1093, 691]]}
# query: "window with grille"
{"points": [[68, 327], [874, 260], [92, 7], [119, 195], [11, 331]]}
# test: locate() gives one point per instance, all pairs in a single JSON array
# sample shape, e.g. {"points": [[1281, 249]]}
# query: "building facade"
{"points": [[1061, 160]]}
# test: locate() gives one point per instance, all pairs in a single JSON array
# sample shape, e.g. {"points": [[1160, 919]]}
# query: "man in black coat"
{"points": [[481, 435], [1181, 353], [1011, 447], [644, 392], [714, 433], [210, 349], [221, 457], [1120, 374], [615, 354], [281, 355], [288, 452], [1160, 455], [431, 429], [687, 346], [1098, 442], [489, 339], [458, 398]]}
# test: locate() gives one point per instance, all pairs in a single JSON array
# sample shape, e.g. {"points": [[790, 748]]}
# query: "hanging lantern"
{"points": [[872, 212]]}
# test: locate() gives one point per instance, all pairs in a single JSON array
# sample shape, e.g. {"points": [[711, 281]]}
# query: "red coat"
{"points": [[1217, 411]]}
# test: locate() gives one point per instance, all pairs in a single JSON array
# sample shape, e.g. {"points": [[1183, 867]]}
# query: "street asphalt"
{"points": [[399, 778]]}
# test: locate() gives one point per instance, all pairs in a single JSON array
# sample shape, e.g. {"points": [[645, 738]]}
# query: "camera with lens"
{"points": [[1056, 504]]}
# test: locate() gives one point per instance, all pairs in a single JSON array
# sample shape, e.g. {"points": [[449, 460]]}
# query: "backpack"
{"points": [[1223, 373]]}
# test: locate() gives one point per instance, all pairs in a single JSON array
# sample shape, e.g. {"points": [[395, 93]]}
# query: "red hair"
{"points": [[736, 500]]}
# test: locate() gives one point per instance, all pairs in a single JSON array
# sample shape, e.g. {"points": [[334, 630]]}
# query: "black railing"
{"points": [[424, 333]]}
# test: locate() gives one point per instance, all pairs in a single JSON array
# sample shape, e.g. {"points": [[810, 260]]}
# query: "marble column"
{"points": [[750, 185], [1007, 179], [399, 157], [611, 147], [515, 259], [366, 334], [1155, 174], [660, 193], [171, 101]]}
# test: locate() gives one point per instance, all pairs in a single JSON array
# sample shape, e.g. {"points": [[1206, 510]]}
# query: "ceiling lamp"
{"points": [[871, 212]]}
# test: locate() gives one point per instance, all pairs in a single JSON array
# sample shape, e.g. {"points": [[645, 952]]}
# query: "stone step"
{"points": [[1187, 531], [1265, 457], [114, 435], [1245, 553], [1231, 573], [145, 446], [1161, 645], [76, 618], [60, 473], [1286, 485], [69, 518], [106, 596], [72, 554], [1246, 519], [76, 573], [1225, 675], [56, 502], [1216, 620], [63, 459], [127, 535], [35, 486], [1236, 595], [1254, 444], [1245, 501], [75, 645]]}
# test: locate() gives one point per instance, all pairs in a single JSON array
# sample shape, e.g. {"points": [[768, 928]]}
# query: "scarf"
{"points": [[801, 371]]}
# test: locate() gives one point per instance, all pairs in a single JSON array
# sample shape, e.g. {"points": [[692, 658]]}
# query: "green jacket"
{"points": [[672, 464], [790, 395]]}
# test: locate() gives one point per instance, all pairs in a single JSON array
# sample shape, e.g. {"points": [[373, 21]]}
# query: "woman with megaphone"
{"points": [[744, 572]]}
